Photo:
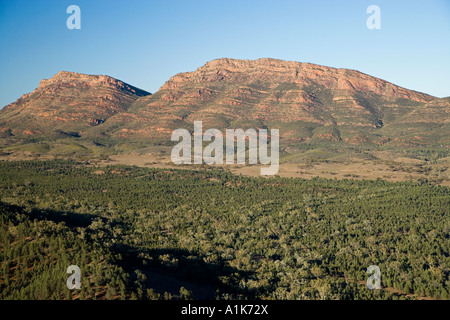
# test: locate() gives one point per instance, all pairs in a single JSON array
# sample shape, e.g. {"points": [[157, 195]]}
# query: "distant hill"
{"points": [[310, 104]]}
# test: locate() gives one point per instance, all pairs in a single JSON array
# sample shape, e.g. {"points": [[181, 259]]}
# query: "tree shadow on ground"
{"points": [[71, 219], [164, 270], [167, 270]]}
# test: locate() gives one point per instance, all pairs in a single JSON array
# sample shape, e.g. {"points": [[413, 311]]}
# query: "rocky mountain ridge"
{"points": [[309, 103]]}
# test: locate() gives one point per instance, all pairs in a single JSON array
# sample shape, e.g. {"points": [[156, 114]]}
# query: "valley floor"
{"points": [[386, 167]]}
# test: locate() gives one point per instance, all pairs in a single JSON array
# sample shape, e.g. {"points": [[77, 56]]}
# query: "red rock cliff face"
{"points": [[304, 100], [303, 74], [68, 102]]}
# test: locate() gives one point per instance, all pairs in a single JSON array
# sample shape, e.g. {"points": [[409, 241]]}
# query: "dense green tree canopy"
{"points": [[140, 233]]}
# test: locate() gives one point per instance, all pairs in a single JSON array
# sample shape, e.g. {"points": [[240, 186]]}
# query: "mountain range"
{"points": [[311, 105]]}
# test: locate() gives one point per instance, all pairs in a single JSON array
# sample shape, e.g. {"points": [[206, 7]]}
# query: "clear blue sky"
{"points": [[144, 43]]}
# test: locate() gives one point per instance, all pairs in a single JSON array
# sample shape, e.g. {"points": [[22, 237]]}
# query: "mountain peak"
{"points": [[74, 79], [267, 63], [274, 72], [68, 101], [230, 64], [307, 102]]}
